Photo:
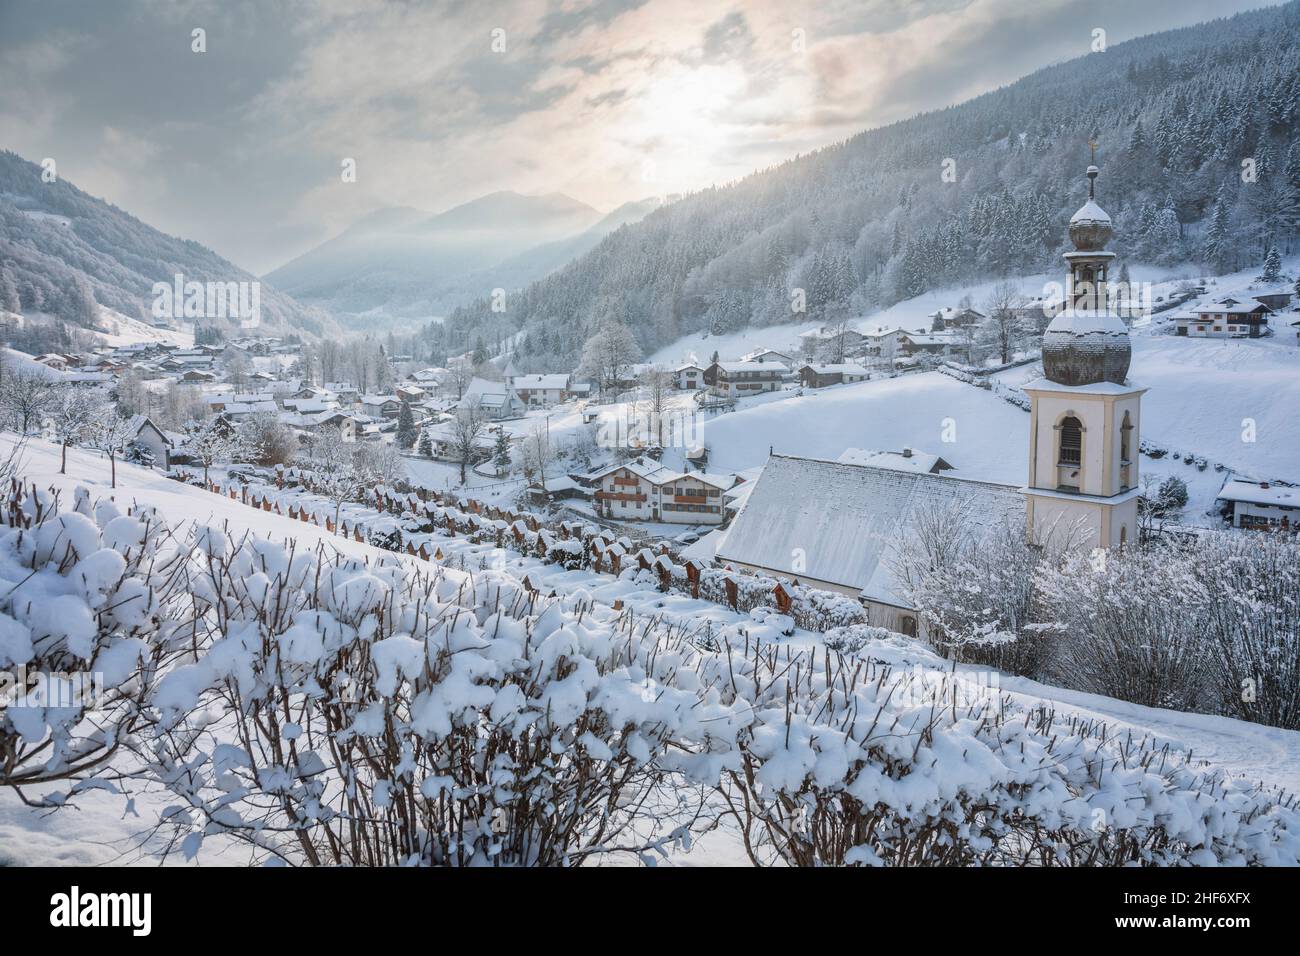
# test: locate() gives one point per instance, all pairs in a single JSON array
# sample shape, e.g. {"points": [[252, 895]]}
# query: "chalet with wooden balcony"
{"points": [[644, 490], [1228, 318], [740, 379]]}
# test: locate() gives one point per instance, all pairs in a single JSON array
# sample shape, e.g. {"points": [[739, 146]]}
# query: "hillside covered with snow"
{"points": [[474, 588]]}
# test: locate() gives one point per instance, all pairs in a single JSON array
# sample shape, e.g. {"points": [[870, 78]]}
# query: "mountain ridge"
{"points": [[871, 220], [62, 248], [405, 261]]}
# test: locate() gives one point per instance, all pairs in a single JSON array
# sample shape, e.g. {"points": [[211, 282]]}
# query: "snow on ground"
{"points": [[100, 829], [116, 329], [990, 436], [1201, 392], [916, 411]]}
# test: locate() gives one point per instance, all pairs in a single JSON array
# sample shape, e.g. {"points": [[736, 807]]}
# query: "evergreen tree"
{"points": [[1216, 245], [9, 300], [426, 445], [501, 452], [1272, 266], [406, 430], [1137, 142]]}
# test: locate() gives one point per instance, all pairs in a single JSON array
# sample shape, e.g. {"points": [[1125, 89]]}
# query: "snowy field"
{"points": [[102, 828], [1202, 393]]}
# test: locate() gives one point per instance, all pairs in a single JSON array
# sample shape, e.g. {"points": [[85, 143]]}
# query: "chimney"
{"points": [[1264, 485], [907, 453]]}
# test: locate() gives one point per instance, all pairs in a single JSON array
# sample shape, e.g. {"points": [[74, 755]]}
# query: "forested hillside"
{"points": [[872, 221], [61, 251]]}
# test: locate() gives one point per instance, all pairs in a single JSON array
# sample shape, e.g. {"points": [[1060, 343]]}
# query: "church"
{"points": [[838, 526], [1085, 414]]}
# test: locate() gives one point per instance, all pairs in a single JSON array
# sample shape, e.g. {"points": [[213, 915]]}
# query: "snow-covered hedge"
{"points": [[847, 761], [378, 714], [375, 714], [332, 709], [82, 629]]}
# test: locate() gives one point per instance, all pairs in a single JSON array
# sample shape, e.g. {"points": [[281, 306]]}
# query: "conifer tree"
{"points": [[406, 430]]}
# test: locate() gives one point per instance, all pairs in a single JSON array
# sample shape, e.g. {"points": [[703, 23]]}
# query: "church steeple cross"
{"points": [[1092, 169]]}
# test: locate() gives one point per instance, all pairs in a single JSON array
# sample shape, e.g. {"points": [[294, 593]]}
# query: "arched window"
{"points": [[1126, 453], [1069, 454], [1071, 442], [1123, 535]]}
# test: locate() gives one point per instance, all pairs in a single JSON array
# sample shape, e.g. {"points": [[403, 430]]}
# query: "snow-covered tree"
{"points": [[609, 354], [467, 427], [9, 300], [406, 430], [111, 432], [72, 419], [1272, 266], [212, 442], [263, 439], [656, 391], [338, 471], [1004, 330], [501, 451], [26, 392], [537, 454]]}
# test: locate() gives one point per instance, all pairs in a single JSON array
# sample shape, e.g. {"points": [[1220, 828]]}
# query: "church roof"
{"points": [[1090, 212], [845, 523]]}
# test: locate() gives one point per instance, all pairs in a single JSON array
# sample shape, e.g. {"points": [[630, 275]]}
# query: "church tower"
{"points": [[1085, 416]]}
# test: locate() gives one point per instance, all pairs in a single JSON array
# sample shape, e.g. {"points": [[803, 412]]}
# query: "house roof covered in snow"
{"points": [[909, 459], [1233, 307], [138, 423], [838, 368], [646, 468], [1260, 493], [733, 367], [847, 521], [930, 338], [556, 381]]}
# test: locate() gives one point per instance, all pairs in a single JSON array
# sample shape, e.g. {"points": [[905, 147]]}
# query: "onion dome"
{"points": [[1090, 227], [1086, 348]]}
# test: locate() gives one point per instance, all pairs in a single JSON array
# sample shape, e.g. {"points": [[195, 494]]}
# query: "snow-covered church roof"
{"points": [[1090, 212], [845, 522]]}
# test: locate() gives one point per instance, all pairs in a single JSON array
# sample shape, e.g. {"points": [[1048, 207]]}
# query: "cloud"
{"points": [[607, 100]]}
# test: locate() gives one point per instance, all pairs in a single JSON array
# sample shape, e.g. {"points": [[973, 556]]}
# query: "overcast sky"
{"points": [[240, 147]]}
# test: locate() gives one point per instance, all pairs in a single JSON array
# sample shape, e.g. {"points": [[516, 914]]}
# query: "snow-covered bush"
{"points": [[1166, 500], [379, 714], [846, 762], [973, 586], [83, 631], [1129, 625], [854, 638], [1251, 620]]}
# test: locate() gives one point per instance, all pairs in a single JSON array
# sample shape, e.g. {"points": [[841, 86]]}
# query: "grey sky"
{"points": [[241, 147]]}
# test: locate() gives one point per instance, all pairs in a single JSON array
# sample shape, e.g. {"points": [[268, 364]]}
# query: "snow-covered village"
{"points": [[725, 437]]}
